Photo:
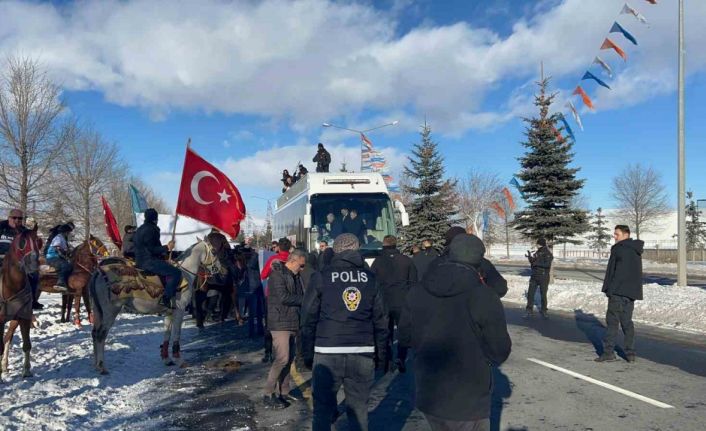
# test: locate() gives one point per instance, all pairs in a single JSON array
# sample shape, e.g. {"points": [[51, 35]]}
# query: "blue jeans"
{"points": [[256, 312], [172, 274], [356, 373], [63, 267]]}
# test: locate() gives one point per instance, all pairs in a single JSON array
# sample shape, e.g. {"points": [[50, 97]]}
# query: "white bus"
{"points": [[302, 211]]}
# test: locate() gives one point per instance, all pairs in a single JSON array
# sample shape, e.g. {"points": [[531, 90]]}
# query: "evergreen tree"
{"points": [[549, 184], [695, 228], [599, 238], [432, 210]]}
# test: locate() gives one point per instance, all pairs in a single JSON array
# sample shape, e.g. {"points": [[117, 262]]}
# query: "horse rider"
{"points": [[58, 257], [128, 247], [9, 229], [149, 254]]}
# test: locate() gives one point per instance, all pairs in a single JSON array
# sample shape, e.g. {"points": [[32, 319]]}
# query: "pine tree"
{"points": [[432, 210], [549, 184], [695, 229], [599, 239]]}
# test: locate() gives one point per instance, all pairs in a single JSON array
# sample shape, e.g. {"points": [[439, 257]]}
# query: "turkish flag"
{"points": [[111, 226], [206, 194]]}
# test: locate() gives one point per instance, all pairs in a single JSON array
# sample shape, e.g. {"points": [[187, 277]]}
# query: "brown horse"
{"points": [[84, 260], [15, 291]]}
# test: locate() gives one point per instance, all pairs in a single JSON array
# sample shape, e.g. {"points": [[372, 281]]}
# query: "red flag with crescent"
{"points": [[111, 226], [208, 195]]}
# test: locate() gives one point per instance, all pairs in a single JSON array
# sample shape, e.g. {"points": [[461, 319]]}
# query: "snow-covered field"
{"points": [[65, 392], [665, 306]]}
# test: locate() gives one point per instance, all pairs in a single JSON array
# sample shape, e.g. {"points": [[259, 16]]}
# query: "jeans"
{"points": [[255, 314], [619, 312], [279, 371], [540, 281], [439, 424], [172, 274], [394, 319], [356, 373], [63, 267]]}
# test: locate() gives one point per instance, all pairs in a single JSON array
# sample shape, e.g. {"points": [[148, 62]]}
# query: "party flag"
{"points": [[617, 28], [589, 75], [627, 10], [566, 126], [604, 65], [609, 44], [516, 184], [586, 100], [509, 199], [575, 113], [498, 209]]}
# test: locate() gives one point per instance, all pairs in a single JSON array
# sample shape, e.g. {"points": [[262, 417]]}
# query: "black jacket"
{"points": [[324, 259], [285, 298], [354, 226], [128, 247], [148, 246], [254, 284], [541, 261], [343, 310], [395, 274], [322, 160], [457, 328], [7, 235], [423, 259], [490, 275], [623, 276]]}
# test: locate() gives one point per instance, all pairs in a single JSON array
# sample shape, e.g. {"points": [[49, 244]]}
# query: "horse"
{"points": [[107, 303], [15, 291], [84, 260]]}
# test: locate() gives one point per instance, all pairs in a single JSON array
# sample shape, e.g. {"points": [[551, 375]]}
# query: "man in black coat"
{"points": [[128, 248], [623, 286], [149, 255], [456, 326], [283, 303], [541, 263], [424, 258], [395, 275], [322, 159], [344, 332], [355, 225]]}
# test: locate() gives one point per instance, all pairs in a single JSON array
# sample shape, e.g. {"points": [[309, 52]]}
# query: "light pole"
{"points": [[360, 132], [681, 201]]}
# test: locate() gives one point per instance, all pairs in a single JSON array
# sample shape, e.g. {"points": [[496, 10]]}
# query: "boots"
{"points": [[606, 357]]}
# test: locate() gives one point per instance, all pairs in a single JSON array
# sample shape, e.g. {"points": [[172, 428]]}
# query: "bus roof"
{"points": [[335, 182]]}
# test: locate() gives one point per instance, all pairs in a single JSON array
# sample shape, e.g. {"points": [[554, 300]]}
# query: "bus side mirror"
{"points": [[307, 217], [404, 216]]}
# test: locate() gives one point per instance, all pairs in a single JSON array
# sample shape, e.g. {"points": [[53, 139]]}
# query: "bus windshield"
{"points": [[368, 216]]}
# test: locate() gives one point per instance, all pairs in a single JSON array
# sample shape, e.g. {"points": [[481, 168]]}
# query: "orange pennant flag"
{"points": [[510, 200], [498, 209], [586, 100], [609, 44]]}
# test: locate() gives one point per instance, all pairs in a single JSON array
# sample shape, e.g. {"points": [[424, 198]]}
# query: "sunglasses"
{"points": [[17, 218]]}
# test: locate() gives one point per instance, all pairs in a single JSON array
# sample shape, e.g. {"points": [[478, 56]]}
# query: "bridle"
{"points": [[96, 251], [210, 264]]}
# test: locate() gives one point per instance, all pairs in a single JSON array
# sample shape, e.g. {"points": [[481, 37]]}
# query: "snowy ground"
{"points": [[664, 306]]}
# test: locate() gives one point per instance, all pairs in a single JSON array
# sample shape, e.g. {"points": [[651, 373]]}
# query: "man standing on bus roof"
{"points": [[322, 159]]}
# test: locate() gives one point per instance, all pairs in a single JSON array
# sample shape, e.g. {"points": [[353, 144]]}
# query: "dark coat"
{"points": [[354, 226], [128, 248], [423, 259], [541, 262], [7, 235], [322, 160], [457, 328], [623, 276], [252, 272], [395, 274], [490, 275], [324, 259], [148, 246], [286, 295]]}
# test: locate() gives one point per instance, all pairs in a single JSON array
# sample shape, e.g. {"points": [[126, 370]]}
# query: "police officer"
{"points": [[541, 263], [344, 333]]}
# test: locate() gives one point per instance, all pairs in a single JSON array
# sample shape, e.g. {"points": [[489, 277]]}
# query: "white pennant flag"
{"points": [[604, 65], [627, 10], [575, 113]]}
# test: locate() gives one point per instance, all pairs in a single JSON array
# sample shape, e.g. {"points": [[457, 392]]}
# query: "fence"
{"points": [[653, 254]]}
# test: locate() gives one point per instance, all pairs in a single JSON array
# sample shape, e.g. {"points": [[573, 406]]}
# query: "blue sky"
{"points": [[251, 82]]}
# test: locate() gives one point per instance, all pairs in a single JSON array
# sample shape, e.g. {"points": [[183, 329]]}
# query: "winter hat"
{"points": [[467, 248], [542, 242], [345, 241], [151, 215], [321, 146], [453, 233]]}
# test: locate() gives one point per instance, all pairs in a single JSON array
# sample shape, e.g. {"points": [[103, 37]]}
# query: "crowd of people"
{"points": [[322, 160]]}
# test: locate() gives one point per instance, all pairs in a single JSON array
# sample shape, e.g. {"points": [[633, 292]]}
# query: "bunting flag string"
{"points": [[589, 75], [567, 127], [509, 199], [617, 28], [609, 44], [372, 160], [516, 184], [604, 65], [627, 10], [575, 113], [586, 100], [498, 209]]}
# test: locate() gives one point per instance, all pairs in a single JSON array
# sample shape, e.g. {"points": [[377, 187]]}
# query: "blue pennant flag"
{"points": [[139, 204], [617, 28], [566, 126], [516, 184], [589, 75]]}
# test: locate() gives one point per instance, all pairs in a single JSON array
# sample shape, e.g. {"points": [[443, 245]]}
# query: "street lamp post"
{"points": [[681, 200], [360, 132]]}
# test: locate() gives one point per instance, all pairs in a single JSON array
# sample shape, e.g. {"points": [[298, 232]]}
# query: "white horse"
{"points": [[106, 306]]}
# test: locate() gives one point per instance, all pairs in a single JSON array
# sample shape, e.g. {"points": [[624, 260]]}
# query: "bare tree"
{"points": [[30, 138], [640, 196], [476, 194]]}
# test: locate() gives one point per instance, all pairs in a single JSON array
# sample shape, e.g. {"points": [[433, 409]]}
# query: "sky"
{"points": [[251, 82]]}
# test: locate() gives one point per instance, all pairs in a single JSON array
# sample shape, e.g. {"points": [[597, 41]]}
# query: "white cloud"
{"points": [[311, 60]]}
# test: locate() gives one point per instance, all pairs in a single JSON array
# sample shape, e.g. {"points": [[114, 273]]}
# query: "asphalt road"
{"points": [[598, 274], [221, 388]]}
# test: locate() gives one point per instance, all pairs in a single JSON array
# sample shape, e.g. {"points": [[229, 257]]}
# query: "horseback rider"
{"points": [[58, 257], [9, 229], [128, 247], [149, 254]]}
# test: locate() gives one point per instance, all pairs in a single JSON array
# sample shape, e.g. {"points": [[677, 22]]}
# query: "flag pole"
{"points": [[176, 210]]}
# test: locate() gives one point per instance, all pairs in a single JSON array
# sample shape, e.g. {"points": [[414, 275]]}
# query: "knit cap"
{"points": [[345, 241]]}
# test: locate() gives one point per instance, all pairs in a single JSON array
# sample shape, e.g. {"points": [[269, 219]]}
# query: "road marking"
{"points": [[603, 384]]}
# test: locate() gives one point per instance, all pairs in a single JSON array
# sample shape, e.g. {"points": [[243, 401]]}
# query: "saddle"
{"points": [[47, 270], [128, 281]]}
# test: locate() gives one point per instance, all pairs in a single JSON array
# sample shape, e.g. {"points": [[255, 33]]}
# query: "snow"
{"points": [[665, 306], [66, 393]]}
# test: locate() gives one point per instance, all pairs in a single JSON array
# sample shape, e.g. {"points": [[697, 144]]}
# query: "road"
{"points": [[597, 275], [215, 392]]}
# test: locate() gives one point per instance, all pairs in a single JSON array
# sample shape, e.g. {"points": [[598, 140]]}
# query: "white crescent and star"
{"points": [[224, 197]]}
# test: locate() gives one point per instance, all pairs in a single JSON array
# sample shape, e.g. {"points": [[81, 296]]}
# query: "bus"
{"points": [[304, 211]]}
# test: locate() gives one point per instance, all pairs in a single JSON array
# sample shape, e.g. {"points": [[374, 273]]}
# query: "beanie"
{"points": [[345, 241]]}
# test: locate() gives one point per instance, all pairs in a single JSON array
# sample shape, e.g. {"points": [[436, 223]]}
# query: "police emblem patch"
{"points": [[352, 297]]}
